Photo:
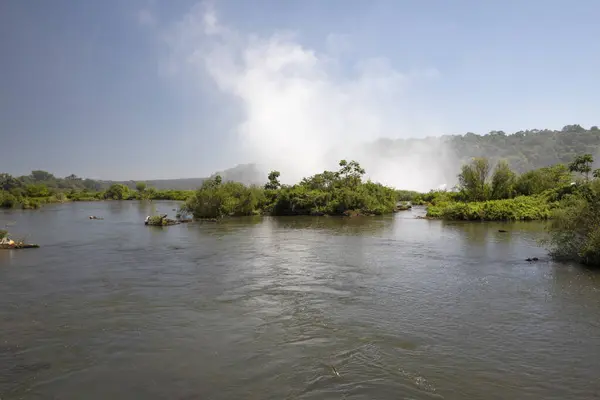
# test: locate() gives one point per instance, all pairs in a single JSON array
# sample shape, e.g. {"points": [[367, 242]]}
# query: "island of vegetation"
{"points": [[341, 192], [567, 195]]}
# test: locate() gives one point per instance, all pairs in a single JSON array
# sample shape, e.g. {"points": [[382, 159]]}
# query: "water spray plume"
{"points": [[301, 115]]}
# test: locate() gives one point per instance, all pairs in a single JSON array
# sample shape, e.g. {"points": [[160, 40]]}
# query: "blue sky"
{"points": [[144, 89]]}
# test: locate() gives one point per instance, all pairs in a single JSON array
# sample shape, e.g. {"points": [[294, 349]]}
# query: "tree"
{"points": [[141, 186], [351, 173], [472, 179], [8, 182], [41, 176], [596, 173], [37, 190], [573, 128], [582, 164], [217, 200], [575, 227], [72, 177], [503, 181], [542, 179], [117, 191], [91, 184], [273, 183]]}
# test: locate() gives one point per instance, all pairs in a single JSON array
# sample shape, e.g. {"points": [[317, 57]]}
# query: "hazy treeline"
{"points": [[522, 150], [42, 187]]}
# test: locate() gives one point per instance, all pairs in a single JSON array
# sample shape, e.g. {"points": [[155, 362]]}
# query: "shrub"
{"points": [[8, 200], [517, 209], [575, 227], [216, 200]]}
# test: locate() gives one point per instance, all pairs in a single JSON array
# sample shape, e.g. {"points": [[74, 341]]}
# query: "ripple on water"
{"points": [[295, 308]]}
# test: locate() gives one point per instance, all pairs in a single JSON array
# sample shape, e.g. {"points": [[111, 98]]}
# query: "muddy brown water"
{"points": [[290, 308]]}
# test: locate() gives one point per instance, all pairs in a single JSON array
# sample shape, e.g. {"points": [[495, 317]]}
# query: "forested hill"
{"points": [[245, 173], [524, 150], [44, 181]]}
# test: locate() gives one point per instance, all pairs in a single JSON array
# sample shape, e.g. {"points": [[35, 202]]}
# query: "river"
{"points": [[290, 308]]}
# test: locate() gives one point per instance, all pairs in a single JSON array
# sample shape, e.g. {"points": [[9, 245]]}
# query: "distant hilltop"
{"points": [[248, 174]]}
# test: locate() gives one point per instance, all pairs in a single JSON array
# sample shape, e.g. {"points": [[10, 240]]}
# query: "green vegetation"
{"points": [[575, 225], [41, 187], [525, 208], [501, 195], [216, 199], [329, 193], [566, 195], [523, 150]]}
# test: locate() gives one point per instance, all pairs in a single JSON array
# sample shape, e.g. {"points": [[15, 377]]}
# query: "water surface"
{"points": [[290, 308]]}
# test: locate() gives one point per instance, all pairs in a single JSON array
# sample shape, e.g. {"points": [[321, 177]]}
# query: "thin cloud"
{"points": [[300, 113], [146, 17]]}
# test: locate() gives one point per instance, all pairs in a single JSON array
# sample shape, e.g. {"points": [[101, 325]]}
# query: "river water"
{"points": [[290, 308]]}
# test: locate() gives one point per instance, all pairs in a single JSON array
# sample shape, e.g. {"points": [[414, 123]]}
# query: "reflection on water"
{"points": [[270, 308]]}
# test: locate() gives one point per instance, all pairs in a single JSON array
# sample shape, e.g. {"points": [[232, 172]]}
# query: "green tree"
{"points": [[41, 176], [575, 227], [8, 182], [117, 191], [37, 190], [503, 181], [351, 173], [141, 186], [542, 179], [596, 173], [215, 199], [273, 183], [582, 164], [472, 179]]}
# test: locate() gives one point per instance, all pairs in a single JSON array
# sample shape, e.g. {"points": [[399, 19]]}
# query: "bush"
{"points": [[217, 200], [8, 200], [117, 191], [575, 227], [30, 204], [517, 209], [332, 193], [176, 195]]}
